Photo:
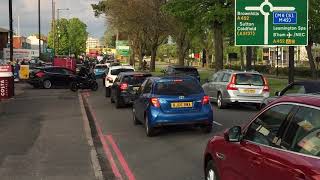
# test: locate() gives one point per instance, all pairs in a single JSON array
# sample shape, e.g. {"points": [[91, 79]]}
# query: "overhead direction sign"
{"points": [[271, 22]]}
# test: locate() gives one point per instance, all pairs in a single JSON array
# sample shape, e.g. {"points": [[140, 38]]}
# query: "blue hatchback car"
{"points": [[165, 101]]}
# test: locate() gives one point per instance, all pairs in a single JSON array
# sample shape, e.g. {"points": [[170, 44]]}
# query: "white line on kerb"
{"points": [[215, 122]]}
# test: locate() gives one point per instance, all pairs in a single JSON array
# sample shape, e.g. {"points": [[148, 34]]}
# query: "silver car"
{"points": [[227, 86]]}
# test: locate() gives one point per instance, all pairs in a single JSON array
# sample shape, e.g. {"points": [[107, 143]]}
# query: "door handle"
{"points": [[256, 160], [297, 174]]}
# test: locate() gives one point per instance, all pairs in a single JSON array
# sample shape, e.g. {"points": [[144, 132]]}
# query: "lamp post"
{"points": [[58, 24], [39, 23], [11, 30]]}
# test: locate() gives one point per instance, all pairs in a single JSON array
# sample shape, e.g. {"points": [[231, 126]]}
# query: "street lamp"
{"points": [[58, 11]]}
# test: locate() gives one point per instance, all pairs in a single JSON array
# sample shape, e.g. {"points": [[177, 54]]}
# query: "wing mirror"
{"points": [[278, 93], [233, 134]]}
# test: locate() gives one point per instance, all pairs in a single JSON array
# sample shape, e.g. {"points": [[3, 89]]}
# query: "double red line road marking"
{"points": [[107, 141]]}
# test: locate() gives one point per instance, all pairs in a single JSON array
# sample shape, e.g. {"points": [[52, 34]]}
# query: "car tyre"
{"points": [[47, 84], [221, 104], [206, 129], [134, 117], [119, 103], [94, 86], [74, 86], [108, 92], [211, 171], [150, 132]]}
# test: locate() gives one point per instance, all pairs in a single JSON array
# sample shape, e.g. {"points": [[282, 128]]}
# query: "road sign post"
{"points": [[271, 22]]}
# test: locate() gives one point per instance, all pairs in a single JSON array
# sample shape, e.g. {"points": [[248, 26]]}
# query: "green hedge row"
{"points": [[266, 69]]}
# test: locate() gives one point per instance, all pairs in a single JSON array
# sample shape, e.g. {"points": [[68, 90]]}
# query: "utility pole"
{"points": [[39, 22], [53, 28], [11, 30], [291, 64]]}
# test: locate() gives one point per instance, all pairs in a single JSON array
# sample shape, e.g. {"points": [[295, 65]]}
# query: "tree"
{"points": [[77, 35], [70, 37], [206, 14], [141, 20], [314, 33]]}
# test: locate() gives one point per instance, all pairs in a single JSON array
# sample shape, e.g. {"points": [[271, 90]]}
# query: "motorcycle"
{"points": [[88, 82]]}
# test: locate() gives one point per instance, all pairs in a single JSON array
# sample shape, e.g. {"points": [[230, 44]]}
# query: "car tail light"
{"points": [[123, 86], [266, 87], [40, 74], [205, 100], [155, 102], [232, 85]]}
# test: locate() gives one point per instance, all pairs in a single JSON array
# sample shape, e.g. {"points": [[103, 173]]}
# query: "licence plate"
{"points": [[182, 105], [249, 91]]}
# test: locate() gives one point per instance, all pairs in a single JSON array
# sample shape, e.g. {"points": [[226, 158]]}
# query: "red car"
{"points": [[281, 143]]}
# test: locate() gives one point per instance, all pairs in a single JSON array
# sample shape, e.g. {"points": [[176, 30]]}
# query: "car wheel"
{"points": [[74, 86], [211, 172], [119, 103], [206, 128], [221, 104], [94, 86], [47, 84], [149, 130], [134, 117], [107, 92]]}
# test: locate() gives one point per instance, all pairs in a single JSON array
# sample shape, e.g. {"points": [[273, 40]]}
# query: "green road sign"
{"points": [[123, 48], [271, 22]]}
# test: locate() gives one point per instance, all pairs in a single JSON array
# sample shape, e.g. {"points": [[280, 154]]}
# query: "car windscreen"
{"points": [[118, 71], [101, 67], [249, 79], [136, 79], [177, 88], [190, 71]]}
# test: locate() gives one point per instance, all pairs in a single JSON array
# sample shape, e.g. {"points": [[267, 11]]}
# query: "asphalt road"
{"points": [[175, 154]]}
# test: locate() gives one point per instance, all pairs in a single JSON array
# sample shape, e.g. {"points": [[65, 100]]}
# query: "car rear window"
{"points": [[249, 79], [191, 71], [118, 71], [136, 79], [178, 88]]}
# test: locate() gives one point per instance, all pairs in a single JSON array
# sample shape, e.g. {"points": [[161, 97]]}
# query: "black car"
{"points": [[300, 87], [182, 70], [49, 77], [125, 87]]}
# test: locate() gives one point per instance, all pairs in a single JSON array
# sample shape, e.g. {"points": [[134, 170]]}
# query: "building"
{"points": [[20, 42], [92, 43], [4, 33], [34, 41], [280, 56]]}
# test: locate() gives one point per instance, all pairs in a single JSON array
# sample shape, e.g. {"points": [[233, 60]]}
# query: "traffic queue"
{"points": [[282, 140]]}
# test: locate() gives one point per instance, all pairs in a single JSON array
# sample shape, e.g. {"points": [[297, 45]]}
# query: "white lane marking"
{"points": [[215, 122]]}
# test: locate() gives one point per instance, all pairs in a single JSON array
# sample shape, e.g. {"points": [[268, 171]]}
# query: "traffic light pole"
{"points": [[11, 30]]}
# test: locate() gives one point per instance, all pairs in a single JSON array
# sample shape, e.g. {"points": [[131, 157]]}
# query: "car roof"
{"points": [[179, 66], [231, 71], [173, 78], [121, 67], [306, 99], [134, 73], [101, 65]]}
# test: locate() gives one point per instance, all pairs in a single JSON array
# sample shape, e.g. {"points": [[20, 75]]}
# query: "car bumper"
{"points": [[256, 100], [128, 99], [158, 118]]}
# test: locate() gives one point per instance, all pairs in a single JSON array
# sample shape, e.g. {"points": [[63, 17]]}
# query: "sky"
{"points": [[27, 10]]}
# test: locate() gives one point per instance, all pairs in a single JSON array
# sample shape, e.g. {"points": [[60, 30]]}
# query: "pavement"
{"points": [[42, 136], [174, 154]]}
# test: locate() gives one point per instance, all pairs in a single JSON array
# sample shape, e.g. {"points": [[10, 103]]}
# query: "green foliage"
{"points": [[314, 21], [167, 51], [70, 37]]}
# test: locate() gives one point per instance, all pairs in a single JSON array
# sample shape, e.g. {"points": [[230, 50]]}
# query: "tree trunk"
{"points": [[208, 59], [141, 55], [181, 56], [154, 49], [241, 57], [218, 45], [249, 58], [291, 64], [311, 61], [132, 58]]}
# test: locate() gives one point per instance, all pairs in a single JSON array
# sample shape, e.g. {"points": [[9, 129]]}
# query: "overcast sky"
{"points": [[27, 10]]}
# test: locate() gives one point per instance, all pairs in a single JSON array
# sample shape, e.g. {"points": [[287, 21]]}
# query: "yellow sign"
{"points": [[182, 105], [24, 72]]}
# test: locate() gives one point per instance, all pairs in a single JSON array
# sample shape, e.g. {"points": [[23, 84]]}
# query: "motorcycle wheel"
{"points": [[74, 87], [94, 86]]}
